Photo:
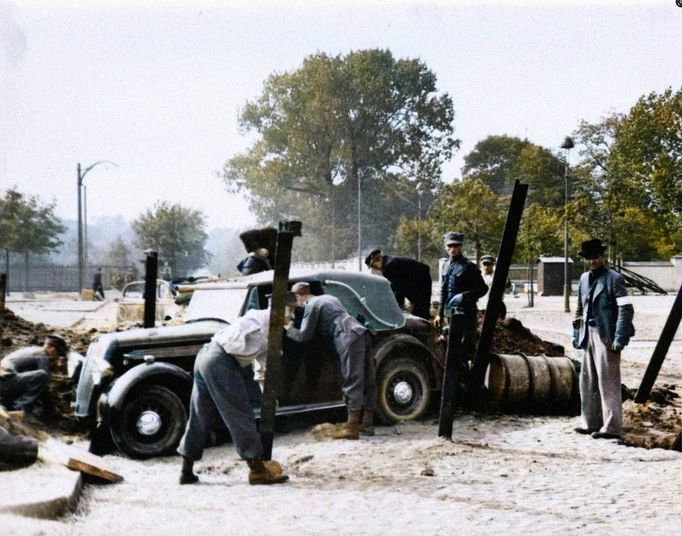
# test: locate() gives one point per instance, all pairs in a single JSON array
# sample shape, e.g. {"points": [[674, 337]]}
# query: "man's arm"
{"points": [[311, 314], [625, 313]]}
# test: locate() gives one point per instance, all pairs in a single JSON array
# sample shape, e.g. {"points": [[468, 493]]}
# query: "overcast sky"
{"points": [[156, 87]]}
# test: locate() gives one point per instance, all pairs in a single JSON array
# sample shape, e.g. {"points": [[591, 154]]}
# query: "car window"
{"points": [[373, 303], [221, 303]]}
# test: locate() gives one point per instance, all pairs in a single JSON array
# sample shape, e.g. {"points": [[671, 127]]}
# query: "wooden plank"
{"points": [[81, 460]]}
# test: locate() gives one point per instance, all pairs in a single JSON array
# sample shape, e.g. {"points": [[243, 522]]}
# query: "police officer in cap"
{"points": [[461, 287]]}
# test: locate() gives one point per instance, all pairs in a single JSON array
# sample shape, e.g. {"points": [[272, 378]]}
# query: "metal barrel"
{"points": [[535, 384]]}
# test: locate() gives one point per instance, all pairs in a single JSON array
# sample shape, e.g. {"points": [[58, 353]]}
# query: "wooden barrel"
{"points": [[532, 384]]}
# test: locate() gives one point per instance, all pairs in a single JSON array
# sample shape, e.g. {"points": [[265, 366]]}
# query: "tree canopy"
{"points": [[176, 233], [338, 123]]}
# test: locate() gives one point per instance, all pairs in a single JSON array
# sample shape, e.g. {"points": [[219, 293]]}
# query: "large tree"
{"points": [[500, 160], [338, 123], [27, 227], [176, 233], [629, 181], [469, 206]]}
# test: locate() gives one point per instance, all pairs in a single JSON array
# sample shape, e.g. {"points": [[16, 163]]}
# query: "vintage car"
{"points": [[137, 383], [131, 302]]}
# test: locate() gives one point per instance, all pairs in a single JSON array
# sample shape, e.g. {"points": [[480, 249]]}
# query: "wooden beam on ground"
{"points": [[81, 460]]}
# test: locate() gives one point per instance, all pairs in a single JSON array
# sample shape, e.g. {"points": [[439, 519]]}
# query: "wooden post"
{"points": [[3, 289], [453, 357], [151, 269], [285, 237], [511, 230], [661, 350]]}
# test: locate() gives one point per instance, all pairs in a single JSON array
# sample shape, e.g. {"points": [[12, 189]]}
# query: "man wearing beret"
{"points": [[460, 289], [409, 279], [25, 374], [603, 328]]}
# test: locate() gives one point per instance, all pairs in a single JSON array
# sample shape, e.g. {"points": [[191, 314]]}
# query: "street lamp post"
{"points": [[567, 145], [361, 177], [419, 221], [80, 190]]}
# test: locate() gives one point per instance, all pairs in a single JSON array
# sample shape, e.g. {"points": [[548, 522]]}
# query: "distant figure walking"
{"points": [[255, 262], [97, 285]]}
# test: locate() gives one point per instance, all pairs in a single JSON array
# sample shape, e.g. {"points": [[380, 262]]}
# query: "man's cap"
{"points": [[300, 288], [453, 238], [59, 344], [590, 249], [488, 258], [370, 257], [290, 299]]}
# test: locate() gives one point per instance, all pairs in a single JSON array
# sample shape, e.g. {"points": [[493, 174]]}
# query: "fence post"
{"points": [[3, 289]]}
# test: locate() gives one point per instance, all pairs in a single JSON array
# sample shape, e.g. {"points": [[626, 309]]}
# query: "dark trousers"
{"points": [[219, 391], [23, 390]]}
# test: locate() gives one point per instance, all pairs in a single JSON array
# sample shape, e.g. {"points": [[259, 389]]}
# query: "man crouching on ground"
{"points": [[219, 389]]}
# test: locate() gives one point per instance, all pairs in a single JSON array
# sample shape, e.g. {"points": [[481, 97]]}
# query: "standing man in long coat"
{"points": [[603, 328]]}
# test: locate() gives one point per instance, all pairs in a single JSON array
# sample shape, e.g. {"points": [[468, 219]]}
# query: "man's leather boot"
{"points": [[265, 472], [351, 428], [367, 423], [187, 475]]}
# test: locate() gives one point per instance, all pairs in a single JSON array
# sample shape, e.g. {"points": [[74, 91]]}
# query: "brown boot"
{"points": [[367, 424], [351, 428], [265, 472]]}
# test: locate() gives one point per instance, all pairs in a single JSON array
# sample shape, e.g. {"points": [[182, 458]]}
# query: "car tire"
{"points": [[150, 423], [404, 392]]}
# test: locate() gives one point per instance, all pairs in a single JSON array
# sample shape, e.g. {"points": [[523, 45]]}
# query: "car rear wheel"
{"points": [[403, 390], [150, 423]]}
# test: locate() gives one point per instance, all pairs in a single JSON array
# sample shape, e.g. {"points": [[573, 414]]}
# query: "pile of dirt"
{"points": [[655, 424], [512, 337]]}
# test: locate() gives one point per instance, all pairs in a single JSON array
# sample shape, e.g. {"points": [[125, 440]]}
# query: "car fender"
{"points": [[161, 373], [408, 346]]}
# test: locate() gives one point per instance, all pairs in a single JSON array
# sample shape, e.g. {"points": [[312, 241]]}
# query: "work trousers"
{"points": [[601, 407], [23, 390], [219, 390], [357, 369]]}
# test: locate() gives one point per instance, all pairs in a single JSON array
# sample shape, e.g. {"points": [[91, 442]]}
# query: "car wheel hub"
{"points": [[148, 423], [402, 392]]}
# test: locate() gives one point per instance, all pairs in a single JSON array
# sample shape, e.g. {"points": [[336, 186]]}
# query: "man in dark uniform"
{"points": [[409, 279], [97, 285], [25, 374], [460, 289], [325, 317]]}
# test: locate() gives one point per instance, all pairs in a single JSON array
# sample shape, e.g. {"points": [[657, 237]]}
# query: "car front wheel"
{"points": [[403, 390], [150, 423]]}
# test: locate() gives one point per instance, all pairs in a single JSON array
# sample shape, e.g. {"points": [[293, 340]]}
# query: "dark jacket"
{"points": [[462, 285], [409, 279], [611, 309], [253, 264]]}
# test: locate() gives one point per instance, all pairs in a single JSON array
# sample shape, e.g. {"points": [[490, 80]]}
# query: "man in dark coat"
{"points": [[603, 328], [409, 279], [460, 289], [255, 262]]}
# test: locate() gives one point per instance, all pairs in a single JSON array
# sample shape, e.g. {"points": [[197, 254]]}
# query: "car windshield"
{"points": [[221, 303]]}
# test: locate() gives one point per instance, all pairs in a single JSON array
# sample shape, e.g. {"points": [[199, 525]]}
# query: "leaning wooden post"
{"points": [[511, 230], [285, 237], [151, 270], [661, 350], [3, 289]]}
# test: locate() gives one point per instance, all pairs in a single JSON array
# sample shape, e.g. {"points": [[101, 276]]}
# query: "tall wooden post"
{"points": [[151, 270], [285, 237]]}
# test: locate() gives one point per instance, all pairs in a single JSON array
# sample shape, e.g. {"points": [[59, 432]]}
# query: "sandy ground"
{"points": [[499, 474]]}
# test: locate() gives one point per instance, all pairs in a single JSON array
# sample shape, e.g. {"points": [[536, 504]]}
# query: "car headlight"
{"points": [[99, 366]]}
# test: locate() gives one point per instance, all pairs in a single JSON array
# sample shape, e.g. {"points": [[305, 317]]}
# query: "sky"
{"points": [[157, 87]]}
